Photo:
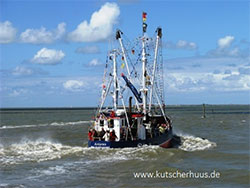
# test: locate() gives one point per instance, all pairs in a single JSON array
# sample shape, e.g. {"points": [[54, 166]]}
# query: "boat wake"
{"points": [[35, 151], [192, 143], [43, 125], [98, 155], [44, 150]]}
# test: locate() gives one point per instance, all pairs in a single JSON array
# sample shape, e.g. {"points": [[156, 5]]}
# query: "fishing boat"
{"points": [[131, 112]]}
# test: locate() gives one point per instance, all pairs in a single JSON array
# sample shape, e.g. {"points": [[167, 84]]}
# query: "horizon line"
{"points": [[86, 107]]}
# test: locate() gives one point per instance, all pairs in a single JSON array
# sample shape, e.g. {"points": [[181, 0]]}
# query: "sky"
{"points": [[53, 53]]}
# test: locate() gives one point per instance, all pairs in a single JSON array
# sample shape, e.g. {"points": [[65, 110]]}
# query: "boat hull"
{"points": [[166, 140]]}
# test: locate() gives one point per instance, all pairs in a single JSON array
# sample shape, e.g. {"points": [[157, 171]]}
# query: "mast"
{"points": [[144, 64], [116, 89], [159, 35], [119, 38]]}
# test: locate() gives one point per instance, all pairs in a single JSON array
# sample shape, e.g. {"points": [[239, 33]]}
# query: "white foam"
{"points": [[21, 126], [43, 150], [42, 125], [100, 155], [69, 123], [35, 151], [38, 173], [192, 143], [55, 170], [3, 184]]}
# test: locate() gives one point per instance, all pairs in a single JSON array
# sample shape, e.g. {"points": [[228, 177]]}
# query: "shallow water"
{"points": [[48, 148]]}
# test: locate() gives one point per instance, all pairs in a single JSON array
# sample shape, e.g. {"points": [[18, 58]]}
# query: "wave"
{"points": [[51, 171], [94, 157], [192, 143], [43, 150], [42, 125], [69, 123], [21, 126], [35, 151], [145, 152]]}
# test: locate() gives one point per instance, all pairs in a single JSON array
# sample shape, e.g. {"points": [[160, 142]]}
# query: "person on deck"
{"points": [[106, 136], [94, 134], [113, 136], [102, 133], [162, 128], [122, 133], [90, 135]]}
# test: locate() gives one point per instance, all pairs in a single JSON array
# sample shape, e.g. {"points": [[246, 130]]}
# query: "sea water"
{"points": [[48, 148]]}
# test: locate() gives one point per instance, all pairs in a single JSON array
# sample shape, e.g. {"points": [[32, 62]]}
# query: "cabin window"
{"points": [[111, 123], [101, 122], [122, 122]]}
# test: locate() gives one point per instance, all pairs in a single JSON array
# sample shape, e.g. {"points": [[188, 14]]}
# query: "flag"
{"points": [[144, 16]]}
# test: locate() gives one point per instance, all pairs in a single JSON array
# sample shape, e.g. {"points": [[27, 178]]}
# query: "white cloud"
{"points": [[100, 26], [226, 49], [73, 85], [48, 56], [196, 82], [244, 70], [225, 42], [7, 32], [94, 62], [19, 71], [60, 31], [27, 71], [234, 52], [215, 74], [186, 45], [228, 71], [18, 92], [42, 36], [181, 44], [88, 50], [225, 53]]}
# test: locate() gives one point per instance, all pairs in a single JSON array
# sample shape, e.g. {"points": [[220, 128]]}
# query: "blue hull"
{"points": [[166, 140]]}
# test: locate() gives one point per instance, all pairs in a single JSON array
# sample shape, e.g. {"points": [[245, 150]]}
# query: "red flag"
{"points": [[144, 16]]}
